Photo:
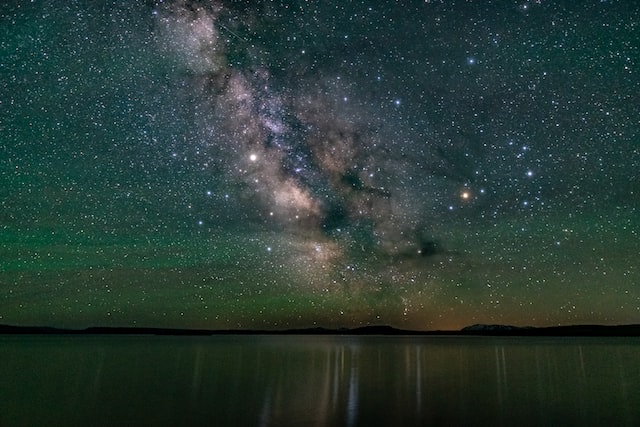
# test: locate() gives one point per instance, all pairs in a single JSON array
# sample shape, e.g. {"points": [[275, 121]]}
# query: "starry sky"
{"points": [[277, 164]]}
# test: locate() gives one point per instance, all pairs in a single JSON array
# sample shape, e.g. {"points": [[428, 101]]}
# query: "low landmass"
{"points": [[473, 330]]}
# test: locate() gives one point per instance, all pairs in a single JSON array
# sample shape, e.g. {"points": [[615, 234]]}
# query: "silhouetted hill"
{"points": [[493, 328], [473, 330], [560, 331]]}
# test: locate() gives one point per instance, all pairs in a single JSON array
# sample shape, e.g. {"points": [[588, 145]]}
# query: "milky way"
{"points": [[221, 164], [312, 165]]}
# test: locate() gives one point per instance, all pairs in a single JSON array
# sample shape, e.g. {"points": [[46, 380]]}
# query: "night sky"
{"points": [[277, 164]]}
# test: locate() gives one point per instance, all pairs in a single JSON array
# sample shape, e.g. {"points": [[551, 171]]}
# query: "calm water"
{"points": [[318, 381]]}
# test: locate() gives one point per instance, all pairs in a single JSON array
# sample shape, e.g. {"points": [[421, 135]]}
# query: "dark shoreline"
{"points": [[475, 330]]}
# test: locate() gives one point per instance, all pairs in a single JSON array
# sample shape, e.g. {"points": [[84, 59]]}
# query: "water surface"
{"points": [[318, 381]]}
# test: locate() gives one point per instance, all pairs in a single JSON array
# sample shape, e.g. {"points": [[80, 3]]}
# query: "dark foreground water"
{"points": [[318, 381]]}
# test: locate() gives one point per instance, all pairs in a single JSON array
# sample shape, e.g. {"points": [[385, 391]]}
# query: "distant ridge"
{"points": [[102, 330], [473, 330], [560, 331]]}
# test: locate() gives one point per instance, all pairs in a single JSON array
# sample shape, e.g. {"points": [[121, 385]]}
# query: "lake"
{"points": [[262, 380]]}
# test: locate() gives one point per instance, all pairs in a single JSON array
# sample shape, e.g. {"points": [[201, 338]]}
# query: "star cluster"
{"points": [[285, 164]]}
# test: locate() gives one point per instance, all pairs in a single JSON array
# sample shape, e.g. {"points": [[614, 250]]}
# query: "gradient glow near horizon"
{"points": [[268, 165]]}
